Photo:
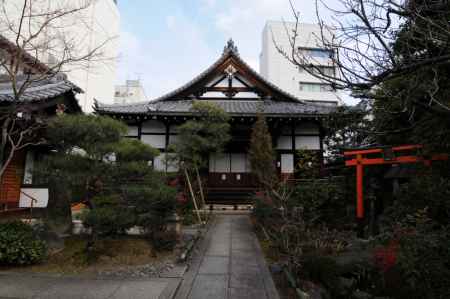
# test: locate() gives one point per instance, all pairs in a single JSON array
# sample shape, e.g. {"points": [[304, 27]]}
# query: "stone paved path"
{"points": [[27, 286], [229, 264]]}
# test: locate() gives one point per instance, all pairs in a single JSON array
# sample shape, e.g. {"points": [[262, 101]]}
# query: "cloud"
{"points": [[244, 21], [168, 60], [208, 3], [189, 38]]}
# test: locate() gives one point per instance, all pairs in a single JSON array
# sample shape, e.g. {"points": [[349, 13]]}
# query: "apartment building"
{"points": [[291, 78], [129, 93]]}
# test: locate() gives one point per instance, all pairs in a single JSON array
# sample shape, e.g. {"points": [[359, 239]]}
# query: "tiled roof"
{"points": [[39, 90], [234, 107], [176, 102]]}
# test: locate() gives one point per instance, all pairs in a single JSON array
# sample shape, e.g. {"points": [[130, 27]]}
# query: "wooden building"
{"points": [[42, 98], [238, 89]]}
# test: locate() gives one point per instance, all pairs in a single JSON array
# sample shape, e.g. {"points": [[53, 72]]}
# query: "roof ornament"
{"points": [[230, 71], [230, 47]]}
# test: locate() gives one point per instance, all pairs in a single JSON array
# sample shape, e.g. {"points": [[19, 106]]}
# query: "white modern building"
{"points": [[92, 29], [293, 79], [129, 93]]}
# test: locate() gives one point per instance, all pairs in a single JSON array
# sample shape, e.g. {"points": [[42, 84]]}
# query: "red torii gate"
{"points": [[382, 156]]}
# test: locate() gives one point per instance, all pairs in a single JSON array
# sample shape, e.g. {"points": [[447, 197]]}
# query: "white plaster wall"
{"points": [[173, 139], [277, 69], [159, 163], [222, 163], [164, 163], [307, 128], [284, 143], [157, 141], [238, 163], [153, 126], [307, 142], [226, 162], [133, 131], [287, 163]]}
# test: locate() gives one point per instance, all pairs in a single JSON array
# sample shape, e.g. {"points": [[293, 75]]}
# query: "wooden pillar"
{"points": [[294, 156], [140, 131], [359, 188], [321, 154], [359, 195], [167, 124]]}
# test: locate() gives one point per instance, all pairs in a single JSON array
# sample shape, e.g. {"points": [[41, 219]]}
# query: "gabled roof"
{"points": [[230, 56], [229, 68]]}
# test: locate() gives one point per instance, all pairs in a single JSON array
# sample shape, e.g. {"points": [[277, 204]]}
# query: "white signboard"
{"points": [[33, 197]]}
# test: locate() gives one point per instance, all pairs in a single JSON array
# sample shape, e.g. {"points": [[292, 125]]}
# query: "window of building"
{"points": [[326, 70], [315, 87], [29, 168], [315, 53]]}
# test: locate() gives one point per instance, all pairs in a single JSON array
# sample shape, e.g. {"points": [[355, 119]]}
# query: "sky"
{"points": [[166, 43]]}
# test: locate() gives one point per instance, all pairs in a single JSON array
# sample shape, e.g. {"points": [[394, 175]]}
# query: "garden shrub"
{"points": [[418, 223], [321, 201], [19, 246], [424, 261], [264, 208], [152, 205], [321, 269], [110, 216]]}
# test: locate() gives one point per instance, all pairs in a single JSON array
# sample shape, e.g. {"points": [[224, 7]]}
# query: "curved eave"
{"points": [[149, 115]]}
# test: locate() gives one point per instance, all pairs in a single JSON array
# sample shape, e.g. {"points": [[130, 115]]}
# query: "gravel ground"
{"points": [[152, 270]]}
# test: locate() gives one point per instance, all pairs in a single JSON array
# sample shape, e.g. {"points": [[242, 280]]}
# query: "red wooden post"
{"points": [[359, 187], [360, 159]]}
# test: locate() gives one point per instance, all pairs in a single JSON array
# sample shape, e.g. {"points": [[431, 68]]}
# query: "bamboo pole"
{"points": [[202, 196], [193, 195]]}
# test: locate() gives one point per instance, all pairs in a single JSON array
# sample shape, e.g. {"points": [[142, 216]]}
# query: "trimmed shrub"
{"points": [[19, 245], [110, 216]]}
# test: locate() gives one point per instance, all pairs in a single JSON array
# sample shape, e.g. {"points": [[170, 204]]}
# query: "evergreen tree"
{"points": [[94, 163], [205, 135], [261, 153], [201, 137], [415, 107]]}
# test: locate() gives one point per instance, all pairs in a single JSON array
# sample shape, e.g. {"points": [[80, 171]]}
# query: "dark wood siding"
{"points": [[12, 181]]}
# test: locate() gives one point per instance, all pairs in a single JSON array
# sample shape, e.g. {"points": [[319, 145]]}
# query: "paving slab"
{"points": [[228, 264], [40, 286], [219, 248], [209, 287], [140, 290], [247, 293], [13, 286], [214, 265]]}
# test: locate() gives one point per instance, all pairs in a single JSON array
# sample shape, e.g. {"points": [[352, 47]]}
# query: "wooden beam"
{"points": [[226, 89], [397, 160], [380, 150], [380, 161]]}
